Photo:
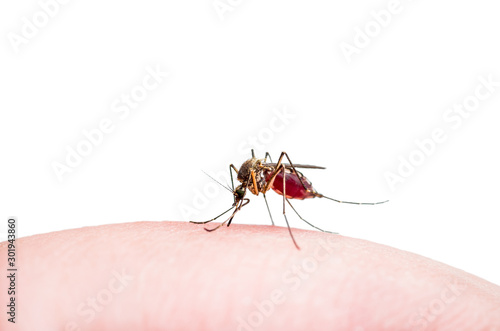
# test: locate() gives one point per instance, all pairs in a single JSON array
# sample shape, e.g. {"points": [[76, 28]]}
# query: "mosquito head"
{"points": [[239, 194]]}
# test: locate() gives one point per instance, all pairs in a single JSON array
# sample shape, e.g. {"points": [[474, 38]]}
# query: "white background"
{"points": [[227, 78]]}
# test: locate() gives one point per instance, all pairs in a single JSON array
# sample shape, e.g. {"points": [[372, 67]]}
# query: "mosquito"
{"points": [[259, 176]]}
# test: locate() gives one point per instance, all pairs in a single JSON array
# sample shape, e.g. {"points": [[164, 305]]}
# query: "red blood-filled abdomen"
{"points": [[293, 187]]}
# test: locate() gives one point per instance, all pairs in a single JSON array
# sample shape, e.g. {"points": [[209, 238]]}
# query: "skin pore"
{"points": [[176, 276]]}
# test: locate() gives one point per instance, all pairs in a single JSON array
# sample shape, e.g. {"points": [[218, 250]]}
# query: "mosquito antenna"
{"points": [[351, 202], [215, 180]]}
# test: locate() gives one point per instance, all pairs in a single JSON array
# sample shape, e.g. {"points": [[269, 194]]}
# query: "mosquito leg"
{"points": [[295, 170], [254, 182], [229, 219], [271, 179], [321, 195], [218, 226], [241, 204], [268, 210], [351, 202], [284, 214], [213, 219], [231, 168], [300, 177], [307, 221], [283, 154], [274, 174], [265, 157], [276, 171], [290, 231], [244, 202]]}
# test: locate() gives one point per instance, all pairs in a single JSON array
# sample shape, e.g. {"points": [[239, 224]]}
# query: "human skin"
{"points": [[176, 276]]}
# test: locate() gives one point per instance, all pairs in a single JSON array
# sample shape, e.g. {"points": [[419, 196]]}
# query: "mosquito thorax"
{"points": [[247, 167], [244, 174]]}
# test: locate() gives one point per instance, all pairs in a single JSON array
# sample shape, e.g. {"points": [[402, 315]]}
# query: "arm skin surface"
{"points": [[176, 276]]}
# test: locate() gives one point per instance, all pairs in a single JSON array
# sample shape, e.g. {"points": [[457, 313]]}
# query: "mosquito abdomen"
{"points": [[293, 186]]}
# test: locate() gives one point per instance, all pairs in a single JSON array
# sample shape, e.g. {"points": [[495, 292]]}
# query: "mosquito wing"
{"points": [[288, 166]]}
